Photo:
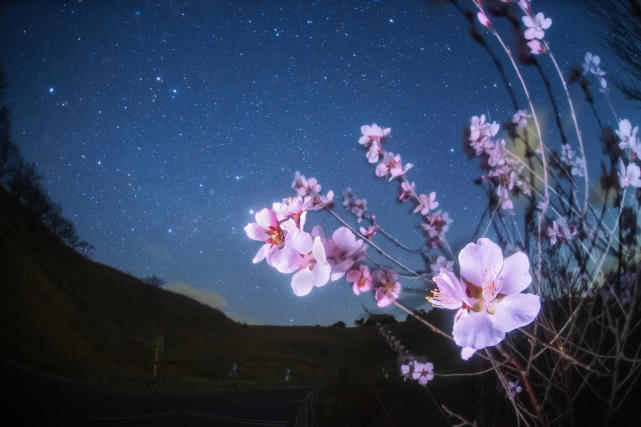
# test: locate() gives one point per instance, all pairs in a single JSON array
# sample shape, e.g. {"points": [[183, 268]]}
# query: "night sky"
{"points": [[160, 126]]}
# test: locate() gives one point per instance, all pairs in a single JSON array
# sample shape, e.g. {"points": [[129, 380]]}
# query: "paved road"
{"points": [[38, 401]]}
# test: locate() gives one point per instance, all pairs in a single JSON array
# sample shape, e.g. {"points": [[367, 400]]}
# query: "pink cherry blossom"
{"points": [[423, 372], [407, 191], [292, 207], [357, 206], [627, 135], [316, 202], [535, 26], [392, 166], [479, 129], [268, 229], [374, 152], [305, 187], [441, 262], [388, 288], [361, 279], [520, 119], [369, 232], [628, 176], [536, 47], [372, 137], [488, 296], [484, 20], [372, 133], [309, 261], [436, 225], [343, 250], [561, 230], [503, 194], [426, 204]]}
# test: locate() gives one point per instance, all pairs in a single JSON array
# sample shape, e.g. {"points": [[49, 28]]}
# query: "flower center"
{"points": [[276, 236]]}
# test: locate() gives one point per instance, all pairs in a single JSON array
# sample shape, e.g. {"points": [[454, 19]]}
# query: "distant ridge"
{"points": [[65, 314]]}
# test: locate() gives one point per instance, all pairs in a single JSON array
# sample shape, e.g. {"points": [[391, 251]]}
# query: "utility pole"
{"points": [[159, 348]]}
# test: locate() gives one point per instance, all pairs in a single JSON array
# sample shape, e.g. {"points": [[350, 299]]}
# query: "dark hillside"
{"points": [[66, 314]]}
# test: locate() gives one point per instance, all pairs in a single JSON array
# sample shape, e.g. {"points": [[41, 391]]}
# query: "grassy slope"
{"points": [[66, 314]]}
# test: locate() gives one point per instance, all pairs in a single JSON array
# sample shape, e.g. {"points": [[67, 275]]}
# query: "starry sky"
{"points": [[161, 126]]}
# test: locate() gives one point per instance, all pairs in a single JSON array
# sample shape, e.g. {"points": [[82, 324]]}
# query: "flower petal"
{"points": [[451, 292], [301, 241], [318, 250], [266, 218], [515, 275], [303, 282], [481, 261], [321, 274], [262, 253], [476, 330], [516, 310], [256, 232], [467, 352], [284, 260]]}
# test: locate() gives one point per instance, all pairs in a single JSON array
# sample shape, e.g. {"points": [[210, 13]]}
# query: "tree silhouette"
{"points": [[154, 280], [8, 150], [623, 37]]}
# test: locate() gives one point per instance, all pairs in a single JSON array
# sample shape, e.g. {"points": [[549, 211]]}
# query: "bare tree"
{"points": [[622, 35]]}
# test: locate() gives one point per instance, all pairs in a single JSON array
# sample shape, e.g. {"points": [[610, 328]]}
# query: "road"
{"points": [[44, 401]]}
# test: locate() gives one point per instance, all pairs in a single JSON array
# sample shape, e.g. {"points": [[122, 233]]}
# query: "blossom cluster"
{"points": [[502, 169], [535, 25], [571, 160], [436, 223], [630, 174], [592, 65], [411, 367], [314, 258], [561, 231]]}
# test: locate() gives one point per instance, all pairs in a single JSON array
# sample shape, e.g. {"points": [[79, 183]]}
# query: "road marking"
{"points": [[237, 420]]}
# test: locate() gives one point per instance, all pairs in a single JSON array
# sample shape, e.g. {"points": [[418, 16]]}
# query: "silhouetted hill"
{"points": [[66, 314]]}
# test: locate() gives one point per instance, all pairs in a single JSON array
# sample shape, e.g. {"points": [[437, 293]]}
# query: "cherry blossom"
{"points": [[361, 279], [372, 137], [392, 166], [513, 388], [292, 207], [318, 202], [441, 262], [426, 204], [369, 232], [505, 201], [480, 129], [407, 191], [357, 206], [423, 372], [305, 187], [520, 119], [268, 229], [343, 250], [484, 20], [561, 230], [536, 26], [488, 296], [592, 65], [574, 162], [372, 133], [388, 288], [436, 225], [628, 176], [536, 47], [308, 257], [627, 135]]}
